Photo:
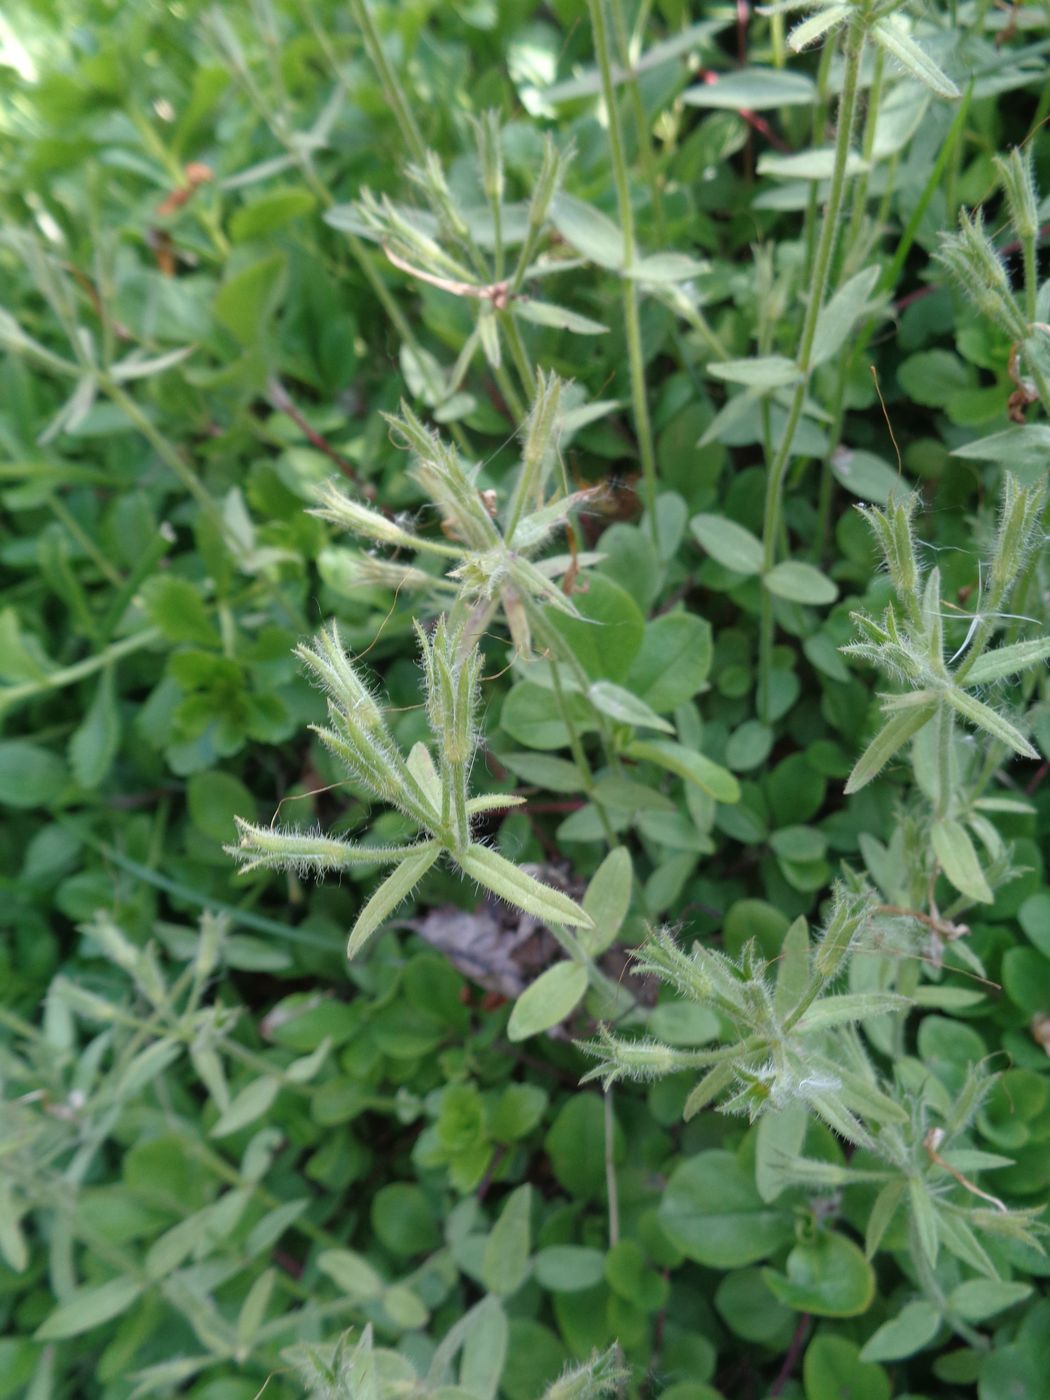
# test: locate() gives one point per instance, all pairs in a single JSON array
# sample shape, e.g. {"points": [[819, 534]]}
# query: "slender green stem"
{"points": [[860, 189], [164, 449], [85, 541], [641, 121], [458, 783], [1040, 381], [511, 397], [525, 254], [935, 1293], [776, 35], [557, 647], [579, 756], [892, 274], [611, 1187], [392, 89], [818, 287], [887, 283], [846, 363], [500, 253], [817, 130], [945, 722], [520, 354], [632, 323], [69, 675]]}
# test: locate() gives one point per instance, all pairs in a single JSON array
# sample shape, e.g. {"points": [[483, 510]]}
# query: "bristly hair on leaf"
{"points": [[436, 797]]}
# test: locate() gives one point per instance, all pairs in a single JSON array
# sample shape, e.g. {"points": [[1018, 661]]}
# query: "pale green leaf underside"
{"points": [[694, 767], [893, 735], [1007, 661], [517, 887], [397, 886], [893, 38], [549, 999], [984, 717], [959, 860]]}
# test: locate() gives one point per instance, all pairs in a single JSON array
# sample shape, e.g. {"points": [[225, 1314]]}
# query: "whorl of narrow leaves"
{"points": [[436, 798], [910, 648], [784, 1039]]}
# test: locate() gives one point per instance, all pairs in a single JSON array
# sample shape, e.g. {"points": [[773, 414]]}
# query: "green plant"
{"points": [[435, 797], [556, 344]]}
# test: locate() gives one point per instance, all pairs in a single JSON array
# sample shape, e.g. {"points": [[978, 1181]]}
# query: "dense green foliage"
{"points": [[557, 496]]}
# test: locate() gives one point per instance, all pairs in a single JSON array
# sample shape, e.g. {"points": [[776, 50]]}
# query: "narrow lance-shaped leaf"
{"points": [[837, 318], [696, 768], [545, 313], [89, 1307], [253, 1310], [589, 231], [984, 717], [850, 1006], [276, 849], [762, 372], [709, 1088], [251, 1103], [728, 544], [890, 35], [505, 1262], [620, 704], [517, 887], [1007, 661], [607, 900], [396, 887], [813, 29], [97, 738], [925, 1218], [891, 737]]}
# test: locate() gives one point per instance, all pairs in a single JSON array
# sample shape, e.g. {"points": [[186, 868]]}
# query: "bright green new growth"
{"points": [[907, 644], [354, 1368], [791, 1041], [437, 798], [492, 564]]}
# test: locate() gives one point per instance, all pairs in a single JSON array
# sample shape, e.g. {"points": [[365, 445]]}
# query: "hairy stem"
{"points": [[392, 89], [818, 288], [629, 288], [641, 121]]}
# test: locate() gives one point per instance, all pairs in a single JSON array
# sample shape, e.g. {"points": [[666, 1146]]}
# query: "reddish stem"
{"points": [[281, 400]]}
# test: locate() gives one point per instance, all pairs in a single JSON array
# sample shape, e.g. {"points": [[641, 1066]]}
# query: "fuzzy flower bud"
{"points": [[892, 529], [334, 672], [1015, 173], [213, 930], [442, 477], [452, 674], [976, 266], [600, 1376], [849, 913], [552, 172], [338, 509], [383, 573], [490, 153], [639, 1060], [1020, 514]]}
